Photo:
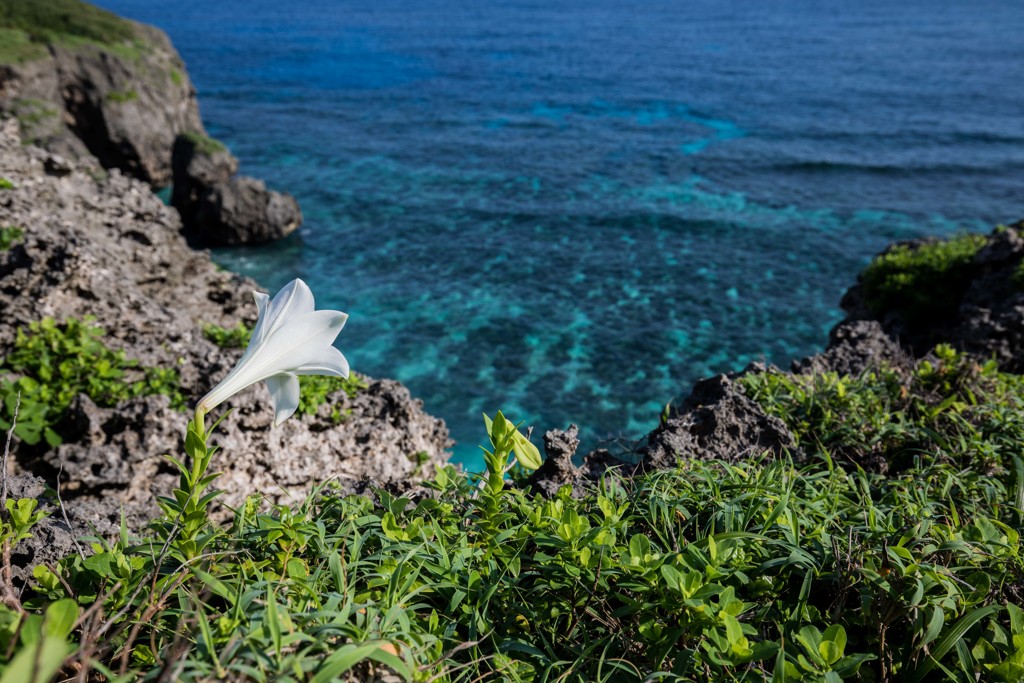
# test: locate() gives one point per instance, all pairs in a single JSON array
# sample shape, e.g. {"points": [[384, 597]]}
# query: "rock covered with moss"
{"points": [[103, 246], [84, 81], [967, 290]]}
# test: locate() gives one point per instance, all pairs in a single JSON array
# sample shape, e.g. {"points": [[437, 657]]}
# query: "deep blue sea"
{"points": [[572, 210]]}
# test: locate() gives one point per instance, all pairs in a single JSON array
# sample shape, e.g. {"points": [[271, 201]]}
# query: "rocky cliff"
{"points": [[81, 242], [94, 83], [84, 83]]}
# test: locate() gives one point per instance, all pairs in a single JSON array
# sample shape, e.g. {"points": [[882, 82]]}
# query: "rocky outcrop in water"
{"points": [[103, 245], [217, 207]]}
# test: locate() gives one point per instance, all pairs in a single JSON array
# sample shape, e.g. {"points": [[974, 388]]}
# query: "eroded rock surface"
{"points": [[104, 246], [717, 421], [123, 104]]}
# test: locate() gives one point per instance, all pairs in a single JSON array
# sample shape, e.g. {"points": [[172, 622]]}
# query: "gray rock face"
{"points": [[123, 109], [558, 469], [717, 421], [219, 208], [988, 313], [110, 249], [854, 346]]}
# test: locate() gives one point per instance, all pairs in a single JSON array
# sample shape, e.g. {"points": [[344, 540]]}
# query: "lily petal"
{"points": [[293, 300], [330, 362], [291, 338], [284, 390]]}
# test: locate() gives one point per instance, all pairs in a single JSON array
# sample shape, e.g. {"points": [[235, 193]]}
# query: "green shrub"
{"points": [[315, 389], [52, 363], [236, 337], [711, 571], [922, 282], [9, 236], [6, 184], [949, 408]]}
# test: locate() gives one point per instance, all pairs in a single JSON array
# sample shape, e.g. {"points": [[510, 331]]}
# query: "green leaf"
{"points": [[948, 641], [342, 660], [60, 618], [38, 663]]}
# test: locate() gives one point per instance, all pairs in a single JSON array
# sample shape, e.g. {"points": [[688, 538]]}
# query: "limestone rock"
{"points": [[105, 246], [717, 421], [219, 208]]}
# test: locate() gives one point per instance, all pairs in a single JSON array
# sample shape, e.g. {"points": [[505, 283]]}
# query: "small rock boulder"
{"points": [[219, 208], [717, 421]]}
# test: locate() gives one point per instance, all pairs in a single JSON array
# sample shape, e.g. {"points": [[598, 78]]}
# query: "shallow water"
{"points": [[571, 211]]}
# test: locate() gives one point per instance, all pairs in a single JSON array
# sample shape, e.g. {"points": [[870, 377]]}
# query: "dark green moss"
{"points": [[119, 97], [921, 281], [205, 145]]}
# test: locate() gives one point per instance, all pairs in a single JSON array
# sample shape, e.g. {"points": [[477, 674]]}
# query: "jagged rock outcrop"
{"points": [[122, 102], [985, 313], [558, 468], [717, 421], [116, 90], [855, 346], [107, 247], [219, 208]]}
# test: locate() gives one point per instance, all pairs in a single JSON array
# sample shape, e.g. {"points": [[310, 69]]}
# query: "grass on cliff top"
{"points": [[745, 571], [922, 282], [204, 144], [26, 26]]}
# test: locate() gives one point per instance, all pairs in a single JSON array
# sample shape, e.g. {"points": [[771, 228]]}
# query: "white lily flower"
{"points": [[290, 339]]}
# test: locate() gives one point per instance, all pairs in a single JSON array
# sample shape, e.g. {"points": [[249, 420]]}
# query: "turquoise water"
{"points": [[572, 211]]}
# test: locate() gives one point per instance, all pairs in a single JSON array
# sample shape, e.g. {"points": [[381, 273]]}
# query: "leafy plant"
{"points": [[9, 236], [51, 363], [236, 337], [923, 281], [948, 408]]}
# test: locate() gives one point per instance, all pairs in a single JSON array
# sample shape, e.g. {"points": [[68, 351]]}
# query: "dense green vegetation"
{"points": [[51, 363], [948, 408], [27, 26], [755, 570], [923, 281], [45, 21]]}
